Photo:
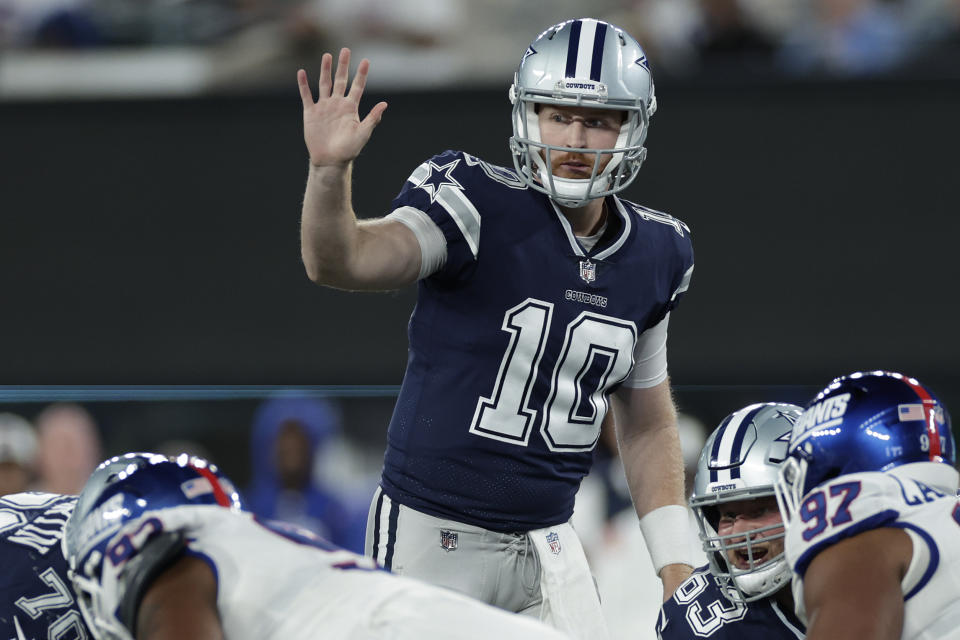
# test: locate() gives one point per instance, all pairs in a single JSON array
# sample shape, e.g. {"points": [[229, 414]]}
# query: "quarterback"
{"points": [[869, 496], [543, 299]]}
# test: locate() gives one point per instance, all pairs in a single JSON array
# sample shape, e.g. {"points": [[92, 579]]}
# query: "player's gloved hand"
{"points": [[332, 128]]}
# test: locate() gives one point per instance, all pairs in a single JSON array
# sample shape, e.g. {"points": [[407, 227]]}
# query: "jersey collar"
{"points": [[606, 250]]}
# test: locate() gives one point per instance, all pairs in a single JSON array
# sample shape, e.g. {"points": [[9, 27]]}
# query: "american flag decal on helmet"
{"points": [[585, 49]]}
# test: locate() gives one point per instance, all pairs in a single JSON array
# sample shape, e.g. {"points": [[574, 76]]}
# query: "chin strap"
{"points": [[156, 555]]}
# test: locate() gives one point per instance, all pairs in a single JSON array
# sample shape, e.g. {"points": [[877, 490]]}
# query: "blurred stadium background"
{"points": [[152, 167]]}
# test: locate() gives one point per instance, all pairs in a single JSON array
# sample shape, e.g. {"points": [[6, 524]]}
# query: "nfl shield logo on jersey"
{"points": [[448, 540], [554, 541], [588, 271]]}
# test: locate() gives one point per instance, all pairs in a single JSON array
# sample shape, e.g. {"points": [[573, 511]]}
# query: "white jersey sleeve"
{"points": [[433, 244], [919, 498], [842, 508], [650, 357]]}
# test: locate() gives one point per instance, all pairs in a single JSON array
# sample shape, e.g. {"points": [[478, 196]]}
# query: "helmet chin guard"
{"points": [[582, 63]]}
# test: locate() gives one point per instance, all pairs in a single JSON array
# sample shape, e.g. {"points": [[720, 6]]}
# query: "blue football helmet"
{"points": [[740, 462], [118, 493], [582, 63], [866, 421]]}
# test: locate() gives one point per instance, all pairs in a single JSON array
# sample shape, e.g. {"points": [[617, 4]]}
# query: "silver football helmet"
{"points": [[741, 461], [582, 63]]}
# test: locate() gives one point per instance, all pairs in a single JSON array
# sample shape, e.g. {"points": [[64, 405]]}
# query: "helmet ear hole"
{"points": [[712, 516]]}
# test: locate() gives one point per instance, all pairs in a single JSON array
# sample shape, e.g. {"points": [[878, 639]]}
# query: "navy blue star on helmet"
{"points": [[643, 62], [439, 177]]}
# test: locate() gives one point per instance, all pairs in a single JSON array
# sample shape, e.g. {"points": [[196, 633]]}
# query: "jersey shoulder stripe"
{"points": [[445, 181]]}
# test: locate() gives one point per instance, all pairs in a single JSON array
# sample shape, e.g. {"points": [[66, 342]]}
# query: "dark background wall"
{"points": [[148, 242]]}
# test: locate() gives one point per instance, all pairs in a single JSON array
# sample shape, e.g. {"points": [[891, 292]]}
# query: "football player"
{"points": [[744, 591], [162, 548], [36, 599], [542, 296], [869, 498]]}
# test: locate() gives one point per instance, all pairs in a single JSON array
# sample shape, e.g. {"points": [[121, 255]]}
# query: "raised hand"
{"points": [[332, 128]]}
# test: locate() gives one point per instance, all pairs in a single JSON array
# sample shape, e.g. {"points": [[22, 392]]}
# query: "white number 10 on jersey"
{"points": [[572, 414]]}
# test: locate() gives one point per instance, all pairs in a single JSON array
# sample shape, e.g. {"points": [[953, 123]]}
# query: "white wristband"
{"points": [[666, 531]]}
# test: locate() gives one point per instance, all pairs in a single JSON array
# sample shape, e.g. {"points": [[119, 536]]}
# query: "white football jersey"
{"points": [[919, 498], [276, 580]]}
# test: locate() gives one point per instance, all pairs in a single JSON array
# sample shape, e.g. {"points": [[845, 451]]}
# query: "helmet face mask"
{"points": [[739, 464], [582, 63]]}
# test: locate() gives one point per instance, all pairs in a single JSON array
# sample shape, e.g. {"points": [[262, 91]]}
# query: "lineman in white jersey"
{"points": [[161, 548], [868, 493]]}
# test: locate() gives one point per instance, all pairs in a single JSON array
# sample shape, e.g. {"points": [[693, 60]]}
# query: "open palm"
{"points": [[332, 128]]}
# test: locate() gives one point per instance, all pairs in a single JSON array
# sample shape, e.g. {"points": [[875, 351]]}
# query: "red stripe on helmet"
{"points": [[218, 493], [928, 404]]}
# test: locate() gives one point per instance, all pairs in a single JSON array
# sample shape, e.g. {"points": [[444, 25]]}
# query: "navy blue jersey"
{"points": [[517, 342], [699, 609], [36, 599]]}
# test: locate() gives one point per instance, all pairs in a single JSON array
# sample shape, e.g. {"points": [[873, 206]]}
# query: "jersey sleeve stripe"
{"points": [[433, 244], [873, 522], [931, 564], [419, 174], [684, 284], [464, 214]]}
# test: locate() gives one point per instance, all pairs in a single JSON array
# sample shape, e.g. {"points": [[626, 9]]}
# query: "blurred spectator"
{"points": [[666, 29], [727, 38], [18, 447], [414, 23], [68, 450], [47, 23], [846, 37], [288, 433]]}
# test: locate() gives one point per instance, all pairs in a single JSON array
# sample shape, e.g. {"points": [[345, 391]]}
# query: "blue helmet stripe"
{"points": [[715, 451], [573, 46], [735, 453], [597, 62]]}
